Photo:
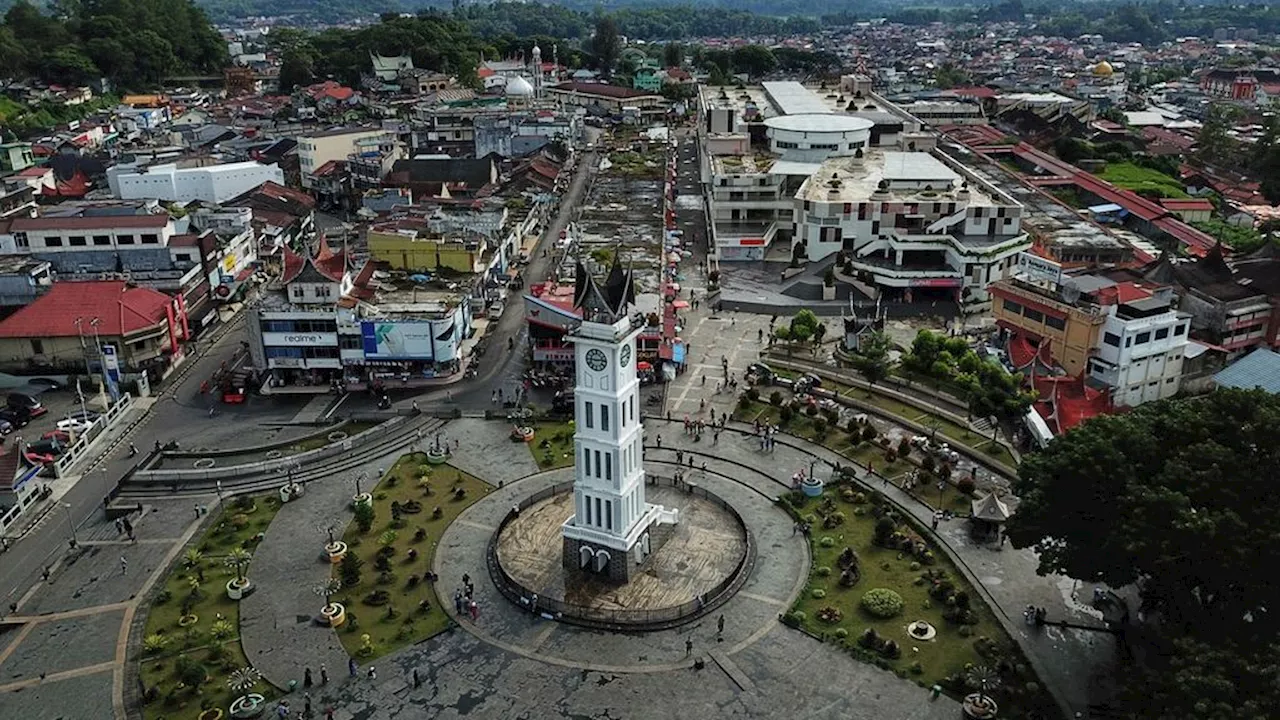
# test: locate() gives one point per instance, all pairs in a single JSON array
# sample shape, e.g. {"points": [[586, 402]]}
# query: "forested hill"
{"points": [[135, 43]]}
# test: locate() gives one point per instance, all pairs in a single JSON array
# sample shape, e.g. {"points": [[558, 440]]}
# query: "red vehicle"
{"points": [[61, 436], [233, 395]]}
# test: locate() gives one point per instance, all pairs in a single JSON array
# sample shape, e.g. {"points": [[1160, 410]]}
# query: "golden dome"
{"points": [[1103, 69]]}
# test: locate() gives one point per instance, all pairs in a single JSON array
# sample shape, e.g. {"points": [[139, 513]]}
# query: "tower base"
{"points": [[614, 565]]}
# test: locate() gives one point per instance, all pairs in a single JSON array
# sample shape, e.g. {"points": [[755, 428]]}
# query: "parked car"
{"points": [[6, 427], [85, 415], [16, 417], [44, 383], [49, 446], [30, 403], [74, 425]]}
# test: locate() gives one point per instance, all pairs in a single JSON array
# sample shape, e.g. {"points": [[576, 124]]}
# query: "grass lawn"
{"points": [[216, 649], [1144, 180], [401, 618], [930, 587], [552, 445], [315, 443]]}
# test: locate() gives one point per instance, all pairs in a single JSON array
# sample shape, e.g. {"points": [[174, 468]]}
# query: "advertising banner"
{"points": [[397, 340]]}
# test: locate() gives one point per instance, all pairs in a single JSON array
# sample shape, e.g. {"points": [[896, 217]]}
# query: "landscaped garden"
{"points": [[382, 581], [862, 442], [193, 665], [882, 591], [552, 444]]}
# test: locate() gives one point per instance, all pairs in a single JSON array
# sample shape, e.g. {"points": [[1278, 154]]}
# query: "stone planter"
{"points": [[522, 434], [828, 292], [238, 589], [335, 551], [290, 491], [211, 714], [437, 456], [188, 620], [333, 614], [362, 499], [979, 707], [248, 706], [811, 487]]}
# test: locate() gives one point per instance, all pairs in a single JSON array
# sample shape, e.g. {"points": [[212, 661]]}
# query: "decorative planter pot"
{"points": [[290, 491], [979, 707], [437, 456], [333, 614], [248, 706], [828, 292], [811, 487], [188, 620], [362, 499], [337, 436], [335, 551], [522, 433], [238, 589], [211, 714]]}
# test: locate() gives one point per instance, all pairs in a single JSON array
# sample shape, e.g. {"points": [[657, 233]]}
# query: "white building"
{"points": [[1141, 349], [608, 534], [316, 149], [183, 182], [914, 224]]}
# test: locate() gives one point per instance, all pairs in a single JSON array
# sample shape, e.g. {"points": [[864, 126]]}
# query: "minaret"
{"points": [[608, 533], [537, 73]]}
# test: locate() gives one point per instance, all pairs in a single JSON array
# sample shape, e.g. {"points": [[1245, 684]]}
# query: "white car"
{"points": [[74, 425]]}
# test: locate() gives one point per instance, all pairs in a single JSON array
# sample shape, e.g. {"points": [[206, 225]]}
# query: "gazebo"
{"points": [[989, 513]]}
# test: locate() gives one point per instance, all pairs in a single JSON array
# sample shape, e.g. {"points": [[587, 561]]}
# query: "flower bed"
{"points": [[875, 574], [392, 602], [184, 668]]}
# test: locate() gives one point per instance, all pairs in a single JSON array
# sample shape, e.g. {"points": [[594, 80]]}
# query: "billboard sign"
{"points": [[398, 340], [1039, 269]]}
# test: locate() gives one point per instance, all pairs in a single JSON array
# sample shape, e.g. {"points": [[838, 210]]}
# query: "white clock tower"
{"points": [[608, 533]]}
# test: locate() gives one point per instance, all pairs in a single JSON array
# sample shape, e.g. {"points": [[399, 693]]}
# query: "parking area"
{"points": [[58, 404]]}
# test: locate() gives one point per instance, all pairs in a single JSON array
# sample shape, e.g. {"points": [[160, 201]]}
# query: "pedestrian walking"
{"points": [[324, 675], [533, 604], [124, 565], [306, 707], [352, 667], [457, 601], [306, 678], [373, 673], [416, 682], [119, 527], [475, 611], [659, 439], [720, 628], [133, 450], [466, 578], [328, 713], [688, 647]]}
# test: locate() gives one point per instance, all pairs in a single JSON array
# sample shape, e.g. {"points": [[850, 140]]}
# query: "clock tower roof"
{"points": [[610, 300]]}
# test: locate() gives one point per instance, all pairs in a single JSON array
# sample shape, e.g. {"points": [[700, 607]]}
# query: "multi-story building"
{"points": [[372, 160], [316, 149], [325, 323], [196, 179], [1127, 336], [915, 225]]}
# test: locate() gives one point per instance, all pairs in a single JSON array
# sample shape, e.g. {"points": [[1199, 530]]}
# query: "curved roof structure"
{"points": [[818, 123], [519, 87]]}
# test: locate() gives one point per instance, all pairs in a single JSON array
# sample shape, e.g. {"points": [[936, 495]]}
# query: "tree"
{"points": [[803, 326], [673, 54], [238, 559], [872, 359], [70, 66], [606, 43], [349, 569], [754, 60], [948, 76], [1167, 496], [1214, 144], [295, 70], [364, 515]]}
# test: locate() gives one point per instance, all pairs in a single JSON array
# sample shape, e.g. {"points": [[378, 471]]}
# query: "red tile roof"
{"points": [[122, 309], [1065, 402], [1193, 204]]}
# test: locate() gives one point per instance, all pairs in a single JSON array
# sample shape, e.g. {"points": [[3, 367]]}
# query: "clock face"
{"points": [[596, 359], [625, 355]]}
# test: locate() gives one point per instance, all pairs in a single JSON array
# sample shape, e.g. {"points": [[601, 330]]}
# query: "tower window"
{"points": [[608, 466], [586, 461], [591, 415], [598, 521], [597, 463], [604, 417], [608, 514], [586, 503]]}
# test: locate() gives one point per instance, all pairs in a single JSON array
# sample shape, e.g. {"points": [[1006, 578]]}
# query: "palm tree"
{"points": [[192, 559], [328, 589], [238, 559], [983, 678]]}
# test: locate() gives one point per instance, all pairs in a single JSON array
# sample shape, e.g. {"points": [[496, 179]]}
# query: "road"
{"points": [[180, 413]]}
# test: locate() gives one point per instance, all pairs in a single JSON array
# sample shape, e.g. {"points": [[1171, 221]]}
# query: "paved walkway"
{"points": [[1065, 659], [276, 622], [486, 450]]}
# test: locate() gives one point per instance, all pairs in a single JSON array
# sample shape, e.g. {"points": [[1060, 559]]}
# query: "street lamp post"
{"points": [[359, 478], [71, 524]]}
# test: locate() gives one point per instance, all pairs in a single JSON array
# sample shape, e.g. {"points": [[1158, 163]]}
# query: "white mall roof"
{"points": [[792, 98], [794, 167], [916, 166], [811, 122]]}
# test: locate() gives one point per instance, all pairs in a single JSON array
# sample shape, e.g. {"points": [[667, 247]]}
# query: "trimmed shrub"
{"points": [[842, 634], [823, 571], [966, 486], [775, 398], [882, 603]]}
